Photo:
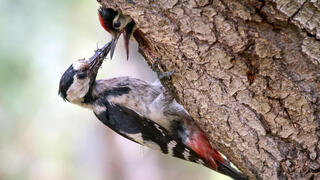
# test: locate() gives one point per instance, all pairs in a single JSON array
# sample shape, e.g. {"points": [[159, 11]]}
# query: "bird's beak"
{"points": [[127, 33], [113, 44], [126, 39], [97, 59]]}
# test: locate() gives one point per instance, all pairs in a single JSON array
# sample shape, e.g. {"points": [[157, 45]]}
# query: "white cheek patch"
{"points": [[78, 89]]}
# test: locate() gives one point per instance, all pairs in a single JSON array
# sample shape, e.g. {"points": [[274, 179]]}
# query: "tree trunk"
{"points": [[248, 73]]}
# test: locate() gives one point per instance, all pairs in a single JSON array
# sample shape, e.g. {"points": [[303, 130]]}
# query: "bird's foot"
{"points": [[164, 78], [161, 75]]}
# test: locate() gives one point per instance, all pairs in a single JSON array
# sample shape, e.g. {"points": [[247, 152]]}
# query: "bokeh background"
{"points": [[43, 137]]}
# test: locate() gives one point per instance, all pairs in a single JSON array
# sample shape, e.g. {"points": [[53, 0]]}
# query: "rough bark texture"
{"points": [[247, 71]]}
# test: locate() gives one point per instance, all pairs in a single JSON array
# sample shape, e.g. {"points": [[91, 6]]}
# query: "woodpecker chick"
{"points": [[116, 24], [141, 112]]}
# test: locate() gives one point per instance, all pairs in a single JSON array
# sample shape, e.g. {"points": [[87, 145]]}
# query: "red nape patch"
{"points": [[102, 22], [200, 144]]}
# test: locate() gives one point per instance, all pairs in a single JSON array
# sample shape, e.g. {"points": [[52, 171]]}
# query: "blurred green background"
{"points": [[43, 137]]}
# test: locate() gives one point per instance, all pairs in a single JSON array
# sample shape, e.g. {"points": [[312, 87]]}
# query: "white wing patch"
{"points": [[158, 127], [186, 154], [171, 145], [138, 138], [99, 109], [200, 161]]}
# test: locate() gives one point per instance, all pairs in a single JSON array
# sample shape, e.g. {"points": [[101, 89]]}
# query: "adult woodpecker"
{"points": [[142, 112], [116, 24]]}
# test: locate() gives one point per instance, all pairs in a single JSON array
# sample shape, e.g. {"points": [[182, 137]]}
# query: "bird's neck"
{"points": [[80, 102]]}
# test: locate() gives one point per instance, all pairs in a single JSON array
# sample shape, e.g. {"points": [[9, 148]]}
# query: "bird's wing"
{"points": [[146, 132]]}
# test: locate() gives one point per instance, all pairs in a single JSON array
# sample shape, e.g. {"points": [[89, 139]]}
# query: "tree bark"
{"points": [[247, 71]]}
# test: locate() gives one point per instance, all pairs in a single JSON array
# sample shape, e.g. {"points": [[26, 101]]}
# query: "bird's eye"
{"points": [[117, 24], [81, 75]]}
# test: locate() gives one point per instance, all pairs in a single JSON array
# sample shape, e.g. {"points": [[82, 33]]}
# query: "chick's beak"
{"points": [[126, 38], [113, 45]]}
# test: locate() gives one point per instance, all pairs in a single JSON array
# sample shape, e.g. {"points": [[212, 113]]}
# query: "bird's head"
{"points": [[77, 80], [120, 21], [116, 24], [106, 17]]}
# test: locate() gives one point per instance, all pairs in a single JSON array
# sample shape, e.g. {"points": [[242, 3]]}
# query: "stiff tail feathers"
{"points": [[226, 169], [198, 142]]}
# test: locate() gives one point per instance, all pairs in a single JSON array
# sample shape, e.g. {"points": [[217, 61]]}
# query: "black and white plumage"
{"points": [[142, 112], [143, 131], [78, 81]]}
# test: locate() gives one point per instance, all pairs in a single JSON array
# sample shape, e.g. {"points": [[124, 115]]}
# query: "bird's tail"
{"points": [[226, 169], [198, 142]]}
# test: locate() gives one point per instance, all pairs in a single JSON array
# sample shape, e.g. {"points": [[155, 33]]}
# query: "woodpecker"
{"points": [[116, 24], [141, 112]]}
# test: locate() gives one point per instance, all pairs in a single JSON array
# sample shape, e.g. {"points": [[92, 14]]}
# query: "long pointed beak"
{"points": [[97, 59], [127, 33], [113, 45], [126, 39]]}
